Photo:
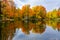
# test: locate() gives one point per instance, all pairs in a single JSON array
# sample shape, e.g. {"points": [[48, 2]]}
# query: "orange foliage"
{"points": [[58, 25], [31, 12], [38, 30], [58, 12], [31, 25], [40, 10]]}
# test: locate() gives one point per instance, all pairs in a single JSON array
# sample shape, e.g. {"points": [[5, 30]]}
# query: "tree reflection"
{"points": [[40, 27], [8, 31], [58, 26], [25, 27], [55, 24], [8, 28]]}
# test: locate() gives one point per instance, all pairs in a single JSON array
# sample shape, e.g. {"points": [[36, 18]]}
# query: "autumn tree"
{"points": [[52, 14], [51, 17], [7, 9], [25, 10], [40, 11], [58, 13]]}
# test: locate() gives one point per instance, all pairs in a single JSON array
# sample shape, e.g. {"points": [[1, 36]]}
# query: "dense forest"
{"points": [[9, 11]]}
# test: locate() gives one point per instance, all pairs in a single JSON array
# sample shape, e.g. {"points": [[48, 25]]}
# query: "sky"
{"points": [[48, 4]]}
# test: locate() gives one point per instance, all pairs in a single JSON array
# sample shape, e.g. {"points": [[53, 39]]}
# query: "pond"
{"points": [[21, 30]]}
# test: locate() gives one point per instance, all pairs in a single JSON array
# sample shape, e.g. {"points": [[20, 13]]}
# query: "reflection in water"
{"points": [[9, 28], [39, 27], [58, 26], [54, 24]]}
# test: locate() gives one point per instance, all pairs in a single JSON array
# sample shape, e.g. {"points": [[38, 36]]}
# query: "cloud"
{"points": [[48, 4], [49, 33], [18, 3]]}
